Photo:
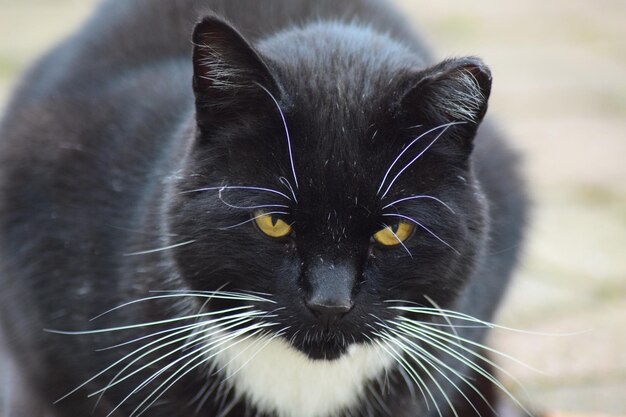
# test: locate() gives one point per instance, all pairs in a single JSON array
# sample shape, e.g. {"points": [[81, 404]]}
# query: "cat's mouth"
{"points": [[326, 345]]}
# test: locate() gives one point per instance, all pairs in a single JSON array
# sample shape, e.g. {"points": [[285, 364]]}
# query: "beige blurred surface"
{"points": [[560, 93]]}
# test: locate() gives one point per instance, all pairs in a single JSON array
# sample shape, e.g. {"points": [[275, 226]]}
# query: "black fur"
{"points": [[110, 131]]}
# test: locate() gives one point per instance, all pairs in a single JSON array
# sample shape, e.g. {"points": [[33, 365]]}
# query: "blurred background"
{"points": [[560, 94]]}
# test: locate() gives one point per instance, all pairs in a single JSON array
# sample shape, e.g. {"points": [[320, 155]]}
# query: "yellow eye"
{"points": [[271, 225], [395, 234]]}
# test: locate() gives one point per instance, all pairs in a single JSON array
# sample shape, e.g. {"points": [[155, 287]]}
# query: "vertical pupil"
{"points": [[274, 220], [395, 227]]}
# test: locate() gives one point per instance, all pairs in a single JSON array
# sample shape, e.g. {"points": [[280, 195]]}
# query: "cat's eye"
{"points": [[272, 225], [394, 234]]}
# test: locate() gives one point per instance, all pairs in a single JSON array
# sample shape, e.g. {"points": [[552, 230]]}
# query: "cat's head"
{"points": [[332, 172]]}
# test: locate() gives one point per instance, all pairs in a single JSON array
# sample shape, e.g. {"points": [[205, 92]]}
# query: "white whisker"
{"points": [[417, 360], [419, 197], [222, 295], [462, 316], [229, 321], [146, 252], [267, 342], [130, 342], [174, 332], [400, 360], [213, 344], [237, 187], [282, 116], [233, 336], [252, 219], [446, 318], [135, 326], [207, 332], [406, 149], [430, 339], [417, 157], [450, 339], [260, 206], [432, 360], [398, 239], [157, 297], [423, 227], [287, 184]]}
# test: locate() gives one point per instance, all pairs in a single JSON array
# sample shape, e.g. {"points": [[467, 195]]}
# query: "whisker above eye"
{"points": [[237, 187], [398, 239], [253, 219], [418, 197], [382, 184], [446, 127], [287, 184], [288, 137], [423, 227], [174, 246], [249, 207]]}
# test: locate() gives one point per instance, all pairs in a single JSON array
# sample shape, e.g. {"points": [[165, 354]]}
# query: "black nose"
{"points": [[329, 311]]}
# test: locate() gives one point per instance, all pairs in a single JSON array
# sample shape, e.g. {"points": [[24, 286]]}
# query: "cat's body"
{"points": [[98, 150]]}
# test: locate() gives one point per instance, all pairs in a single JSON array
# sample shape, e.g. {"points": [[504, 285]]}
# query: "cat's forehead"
{"points": [[337, 74], [337, 84]]}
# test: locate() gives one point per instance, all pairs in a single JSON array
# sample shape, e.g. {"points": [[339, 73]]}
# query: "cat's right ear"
{"points": [[229, 75]]}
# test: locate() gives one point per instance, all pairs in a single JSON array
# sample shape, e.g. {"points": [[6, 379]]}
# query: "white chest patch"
{"points": [[283, 380]]}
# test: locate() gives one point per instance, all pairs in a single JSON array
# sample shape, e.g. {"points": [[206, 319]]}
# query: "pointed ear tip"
{"points": [[210, 20], [480, 66], [475, 63], [209, 24]]}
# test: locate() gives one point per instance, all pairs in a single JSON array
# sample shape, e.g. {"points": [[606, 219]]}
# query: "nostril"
{"points": [[329, 311]]}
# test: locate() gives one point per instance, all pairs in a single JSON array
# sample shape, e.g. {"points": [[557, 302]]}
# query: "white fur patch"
{"points": [[284, 380]]}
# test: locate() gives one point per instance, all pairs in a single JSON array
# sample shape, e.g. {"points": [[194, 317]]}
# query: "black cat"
{"points": [[299, 220]]}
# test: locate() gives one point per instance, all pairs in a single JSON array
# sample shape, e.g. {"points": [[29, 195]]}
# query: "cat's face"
{"points": [[335, 182]]}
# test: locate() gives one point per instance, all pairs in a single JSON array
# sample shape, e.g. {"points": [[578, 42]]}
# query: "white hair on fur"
{"points": [[459, 96], [219, 72]]}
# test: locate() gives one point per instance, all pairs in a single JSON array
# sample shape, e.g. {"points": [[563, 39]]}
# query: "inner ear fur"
{"points": [[455, 90]]}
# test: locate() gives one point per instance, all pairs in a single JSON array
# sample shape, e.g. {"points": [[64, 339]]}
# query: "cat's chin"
{"points": [[324, 353]]}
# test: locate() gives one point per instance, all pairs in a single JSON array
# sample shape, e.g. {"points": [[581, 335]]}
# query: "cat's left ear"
{"points": [[453, 91], [231, 80]]}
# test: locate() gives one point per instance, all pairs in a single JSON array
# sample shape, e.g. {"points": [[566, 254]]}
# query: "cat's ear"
{"points": [[230, 79], [453, 91]]}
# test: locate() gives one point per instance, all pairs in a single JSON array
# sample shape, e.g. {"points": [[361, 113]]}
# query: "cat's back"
{"points": [[129, 35], [108, 98]]}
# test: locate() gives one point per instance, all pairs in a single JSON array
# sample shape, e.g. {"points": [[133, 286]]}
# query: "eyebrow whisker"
{"points": [[423, 227], [253, 219]]}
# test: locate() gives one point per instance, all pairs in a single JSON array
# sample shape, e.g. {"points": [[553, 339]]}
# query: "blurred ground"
{"points": [[560, 94]]}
